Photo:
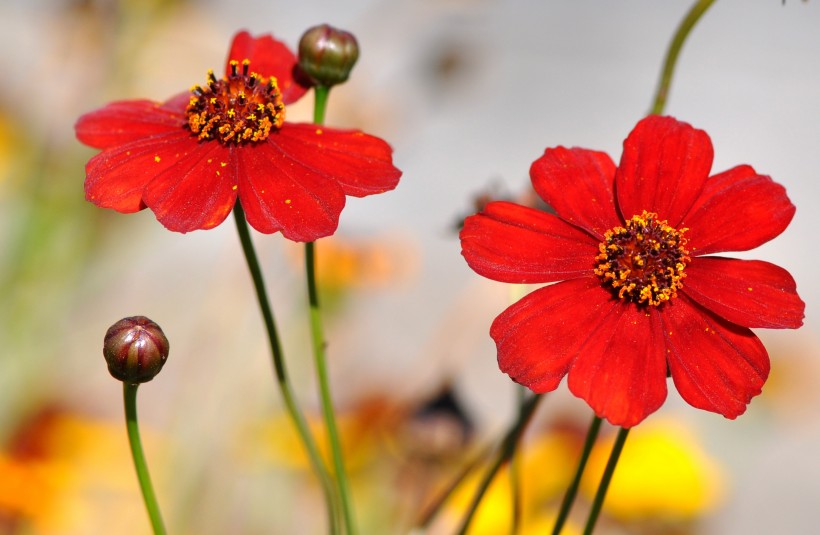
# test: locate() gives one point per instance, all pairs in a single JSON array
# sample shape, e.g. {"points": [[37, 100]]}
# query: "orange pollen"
{"points": [[644, 261], [240, 108]]}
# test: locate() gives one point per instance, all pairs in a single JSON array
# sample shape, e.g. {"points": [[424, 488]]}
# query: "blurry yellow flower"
{"points": [[662, 473], [547, 464], [64, 473]]}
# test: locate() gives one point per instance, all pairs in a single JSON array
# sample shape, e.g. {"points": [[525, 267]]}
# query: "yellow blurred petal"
{"points": [[547, 464], [662, 472]]}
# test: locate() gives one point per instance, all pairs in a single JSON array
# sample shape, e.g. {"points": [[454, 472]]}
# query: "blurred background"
{"points": [[469, 93]]}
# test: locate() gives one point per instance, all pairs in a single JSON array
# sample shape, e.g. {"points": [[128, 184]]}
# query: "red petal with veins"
{"points": [[268, 57], [750, 293], [539, 336], [621, 368], [116, 178], [511, 243], [737, 211], [577, 183], [716, 365], [279, 192], [126, 121], [663, 168], [362, 164], [196, 193]]}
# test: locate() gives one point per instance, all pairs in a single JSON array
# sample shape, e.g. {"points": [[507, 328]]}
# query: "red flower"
{"points": [[639, 300], [189, 158]]}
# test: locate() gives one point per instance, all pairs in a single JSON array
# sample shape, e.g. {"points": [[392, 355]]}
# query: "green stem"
{"points": [[506, 452], [281, 372], [572, 490], [319, 345], [515, 473], [320, 93], [605, 479], [129, 392], [675, 46]]}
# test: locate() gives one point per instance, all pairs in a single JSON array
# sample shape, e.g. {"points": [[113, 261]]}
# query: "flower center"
{"points": [[239, 108], [644, 261]]}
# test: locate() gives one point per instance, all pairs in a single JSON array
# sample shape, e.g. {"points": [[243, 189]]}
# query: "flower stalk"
{"points": [[515, 473], [320, 359], [505, 453], [285, 387], [572, 490], [675, 46], [140, 465], [598, 502]]}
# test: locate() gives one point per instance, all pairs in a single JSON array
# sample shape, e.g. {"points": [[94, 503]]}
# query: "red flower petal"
{"points": [[663, 168], [197, 193], [750, 293], [268, 57], [577, 183], [362, 164], [621, 368], [511, 243], [279, 192], [125, 121], [716, 365], [116, 178], [539, 336], [738, 210]]}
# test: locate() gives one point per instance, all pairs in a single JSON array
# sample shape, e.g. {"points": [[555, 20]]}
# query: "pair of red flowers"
{"points": [[639, 301]]}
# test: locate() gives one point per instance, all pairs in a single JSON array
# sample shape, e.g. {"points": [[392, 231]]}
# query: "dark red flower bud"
{"points": [[135, 349], [327, 54]]}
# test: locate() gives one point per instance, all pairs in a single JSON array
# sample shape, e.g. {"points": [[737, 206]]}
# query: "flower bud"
{"points": [[327, 54], [135, 349]]}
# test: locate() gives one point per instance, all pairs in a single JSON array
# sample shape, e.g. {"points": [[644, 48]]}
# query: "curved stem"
{"points": [[129, 392], [319, 346], [506, 452], [605, 479], [281, 372], [672, 53], [572, 490]]}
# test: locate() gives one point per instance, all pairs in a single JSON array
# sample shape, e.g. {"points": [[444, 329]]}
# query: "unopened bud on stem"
{"points": [[135, 349], [327, 54]]}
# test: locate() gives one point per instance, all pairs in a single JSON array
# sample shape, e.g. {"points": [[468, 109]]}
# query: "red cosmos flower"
{"points": [[189, 158], [639, 300]]}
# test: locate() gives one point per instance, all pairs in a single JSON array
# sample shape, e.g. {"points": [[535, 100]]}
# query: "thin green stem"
{"points": [[129, 392], [505, 453], [515, 473], [320, 94], [319, 346], [672, 53], [281, 372], [319, 357], [572, 490], [598, 502]]}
